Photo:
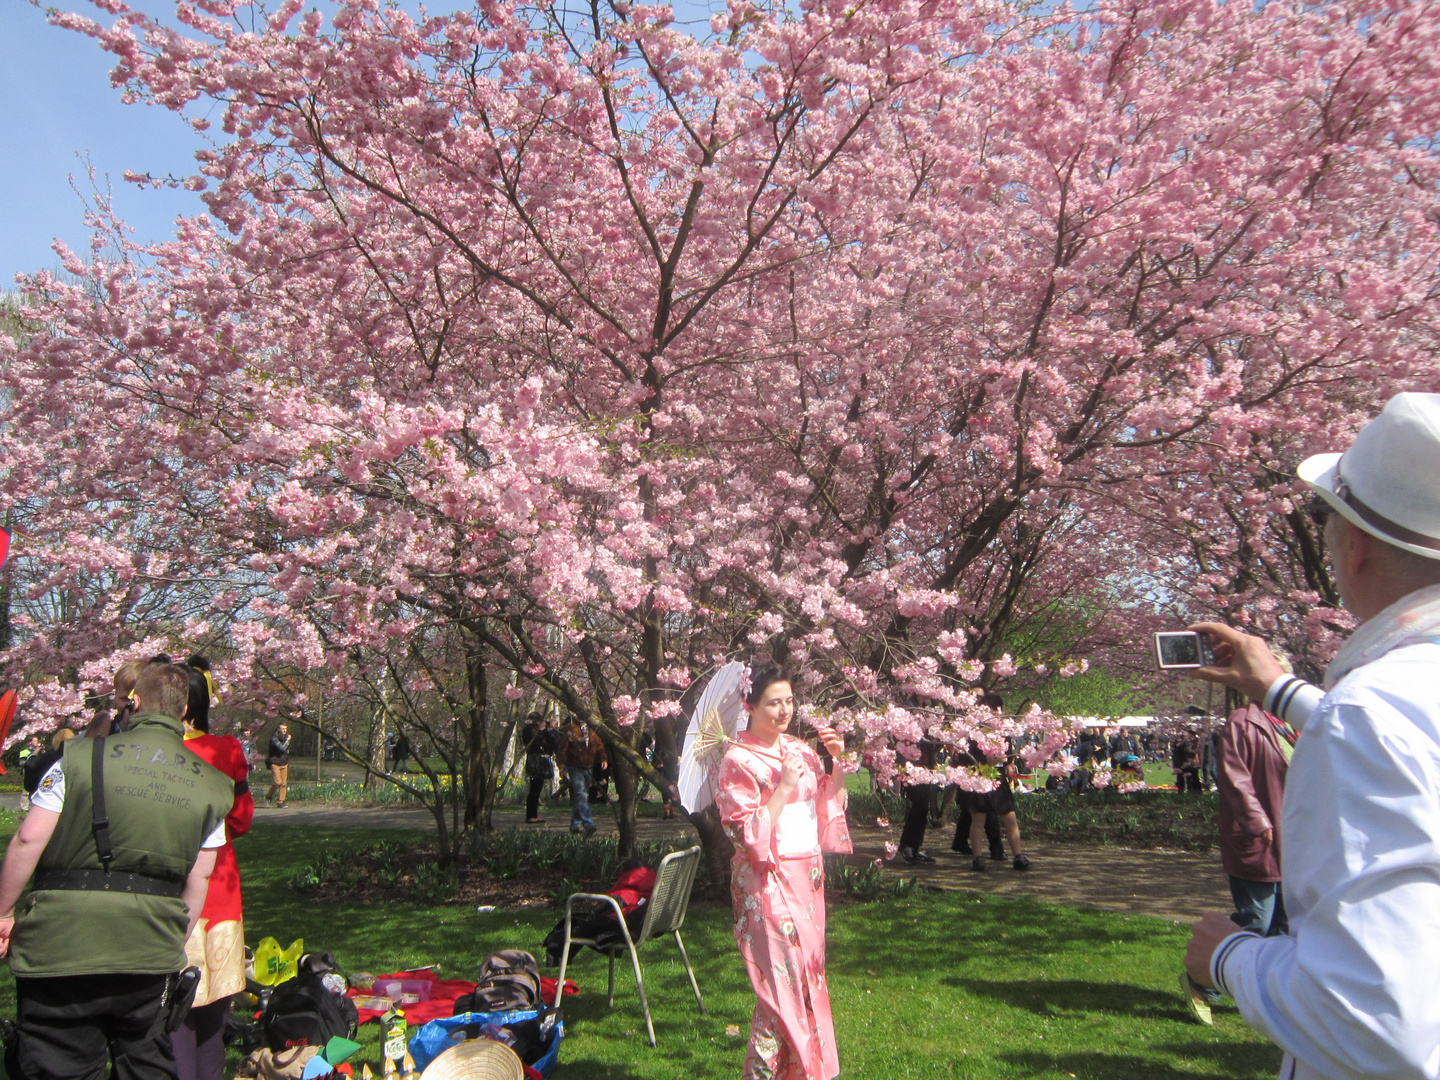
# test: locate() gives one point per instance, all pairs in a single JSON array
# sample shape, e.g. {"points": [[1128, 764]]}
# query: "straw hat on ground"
{"points": [[476, 1059]]}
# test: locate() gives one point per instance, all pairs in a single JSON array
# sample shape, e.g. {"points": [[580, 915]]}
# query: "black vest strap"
{"points": [[100, 822]]}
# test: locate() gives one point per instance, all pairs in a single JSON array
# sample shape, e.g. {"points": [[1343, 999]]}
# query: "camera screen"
{"points": [[1179, 650]]}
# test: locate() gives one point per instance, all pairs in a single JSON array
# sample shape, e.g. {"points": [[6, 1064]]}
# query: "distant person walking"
{"points": [[580, 751], [401, 753], [278, 758], [540, 740]]}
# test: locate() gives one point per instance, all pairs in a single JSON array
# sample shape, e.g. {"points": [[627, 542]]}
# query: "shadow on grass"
{"points": [[1120, 1066], [929, 933], [1070, 997]]}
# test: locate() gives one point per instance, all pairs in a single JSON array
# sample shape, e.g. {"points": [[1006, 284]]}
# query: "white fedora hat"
{"points": [[1388, 482]]}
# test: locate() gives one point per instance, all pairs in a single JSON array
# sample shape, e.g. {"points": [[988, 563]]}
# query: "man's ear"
{"points": [[1358, 548]]}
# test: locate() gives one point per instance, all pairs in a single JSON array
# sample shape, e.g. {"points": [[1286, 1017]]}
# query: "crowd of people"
{"points": [[1330, 950]]}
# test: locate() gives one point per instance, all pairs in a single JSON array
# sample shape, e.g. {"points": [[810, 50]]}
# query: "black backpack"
{"points": [[508, 980], [304, 1012]]}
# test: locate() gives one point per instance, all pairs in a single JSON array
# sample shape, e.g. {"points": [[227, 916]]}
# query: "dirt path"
{"points": [[1173, 885]]}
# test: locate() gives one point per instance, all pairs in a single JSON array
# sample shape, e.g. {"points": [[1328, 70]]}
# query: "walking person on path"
{"points": [[278, 758], [401, 753], [781, 810], [580, 751], [1354, 989], [540, 741]]}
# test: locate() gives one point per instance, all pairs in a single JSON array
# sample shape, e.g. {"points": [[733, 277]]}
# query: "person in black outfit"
{"points": [[1185, 759], [1123, 745], [998, 803], [540, 740], [961, 844], [401, 752], [917, 807]]}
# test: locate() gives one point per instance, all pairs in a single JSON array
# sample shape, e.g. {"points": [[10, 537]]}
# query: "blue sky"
{"points": [[59, 110], [60, 118]]}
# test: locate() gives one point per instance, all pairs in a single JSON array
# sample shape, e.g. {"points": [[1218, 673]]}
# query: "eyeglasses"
{"points": [[1318, 510]]}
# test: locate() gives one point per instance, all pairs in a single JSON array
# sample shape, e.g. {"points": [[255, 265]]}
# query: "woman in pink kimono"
{"points": [[781, 810]]}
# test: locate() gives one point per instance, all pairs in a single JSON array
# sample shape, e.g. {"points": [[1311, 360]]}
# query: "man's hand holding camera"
{"points": [[1242, 661]]}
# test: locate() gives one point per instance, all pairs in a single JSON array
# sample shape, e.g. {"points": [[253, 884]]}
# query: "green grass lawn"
{"points": [[937, 985]]}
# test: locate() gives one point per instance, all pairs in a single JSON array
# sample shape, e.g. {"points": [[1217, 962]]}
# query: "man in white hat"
{"points": [[1354, 989]]}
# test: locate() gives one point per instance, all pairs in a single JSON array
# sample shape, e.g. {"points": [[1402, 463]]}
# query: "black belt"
{"points": [[111, 881]]}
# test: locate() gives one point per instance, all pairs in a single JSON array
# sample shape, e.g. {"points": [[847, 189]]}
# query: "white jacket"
{"points": [[1354, 990]]}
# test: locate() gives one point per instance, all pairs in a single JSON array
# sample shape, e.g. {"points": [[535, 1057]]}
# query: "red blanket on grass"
{"points": [[443, 995]]}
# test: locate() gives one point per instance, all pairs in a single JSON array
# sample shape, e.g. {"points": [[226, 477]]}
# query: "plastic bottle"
{"points": [[394, 1037]]}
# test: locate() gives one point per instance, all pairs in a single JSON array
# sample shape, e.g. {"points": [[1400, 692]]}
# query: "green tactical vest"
{"points": [[162, 802]]}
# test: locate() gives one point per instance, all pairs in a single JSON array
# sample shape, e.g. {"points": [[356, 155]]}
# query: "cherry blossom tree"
{"points": [[601, 351]]}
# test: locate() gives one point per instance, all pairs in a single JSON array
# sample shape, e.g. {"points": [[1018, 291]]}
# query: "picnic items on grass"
{"points": [[533, 1035], [443, 995]]}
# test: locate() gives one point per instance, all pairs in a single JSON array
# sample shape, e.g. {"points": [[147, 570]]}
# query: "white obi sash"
{"points": [[797, 833]]}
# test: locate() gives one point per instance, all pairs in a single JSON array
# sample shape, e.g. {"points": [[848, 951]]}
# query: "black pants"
{"points": [[532, 798], [71, 1027], [917, 812]]}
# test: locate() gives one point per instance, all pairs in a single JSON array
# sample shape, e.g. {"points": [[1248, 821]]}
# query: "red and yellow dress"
{"points": [[217, 947]]}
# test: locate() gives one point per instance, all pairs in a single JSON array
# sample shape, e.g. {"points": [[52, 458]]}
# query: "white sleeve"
{"points": [[50, 793], [1356, 991], [216, 839], [1293, 700]]}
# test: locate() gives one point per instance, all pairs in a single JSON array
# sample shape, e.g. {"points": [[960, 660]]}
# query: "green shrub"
{"points": [[865, 882], [434, 884], [1141, 819], [864, 807]]}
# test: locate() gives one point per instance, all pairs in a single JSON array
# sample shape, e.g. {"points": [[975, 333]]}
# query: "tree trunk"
{"points": [[375, 748], [479, 777], [716, 850], [442, 829], [626, 789]]}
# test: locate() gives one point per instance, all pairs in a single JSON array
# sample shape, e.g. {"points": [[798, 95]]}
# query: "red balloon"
{"points": [[4, 549]]}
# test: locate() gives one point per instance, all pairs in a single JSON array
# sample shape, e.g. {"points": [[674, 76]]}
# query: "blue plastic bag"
{"points": [[437, 1036]]}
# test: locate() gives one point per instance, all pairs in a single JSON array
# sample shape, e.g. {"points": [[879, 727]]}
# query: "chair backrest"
{"points": [[673, 881]]}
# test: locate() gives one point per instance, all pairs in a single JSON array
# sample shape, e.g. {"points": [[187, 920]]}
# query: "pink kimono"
{"points": [[777, 882]]}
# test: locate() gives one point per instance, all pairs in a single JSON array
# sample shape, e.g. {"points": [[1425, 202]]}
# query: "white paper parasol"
{"points": [[713, 724]]}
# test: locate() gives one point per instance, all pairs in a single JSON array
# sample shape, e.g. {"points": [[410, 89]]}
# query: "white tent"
{"points": [[1115, 721]]}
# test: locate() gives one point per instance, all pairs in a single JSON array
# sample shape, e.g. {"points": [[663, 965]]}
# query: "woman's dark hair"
{"points": [[197, 709], [761, 678], [198, 662]]}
